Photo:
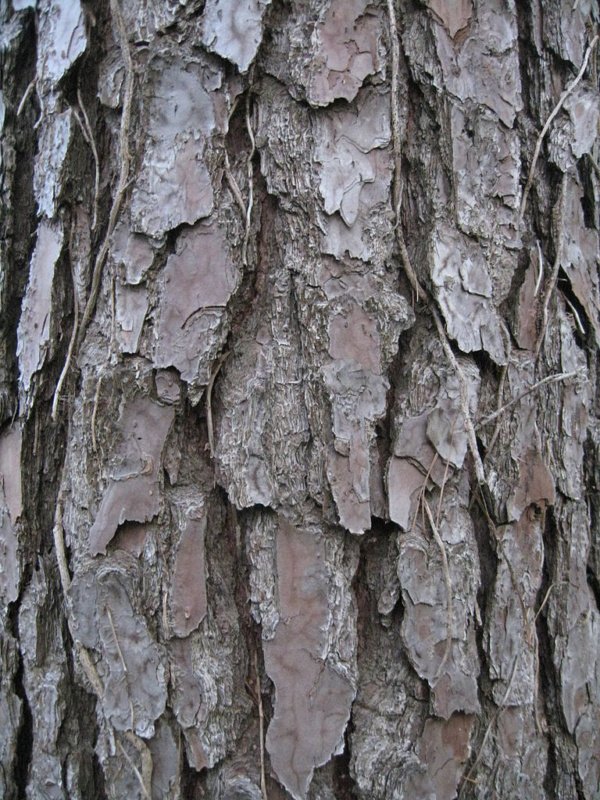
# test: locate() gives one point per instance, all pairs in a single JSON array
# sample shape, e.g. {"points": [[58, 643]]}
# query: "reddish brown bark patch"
{"points": [[188, 595], [312, 699], [199, 278], [11, 506], [132, 493]]}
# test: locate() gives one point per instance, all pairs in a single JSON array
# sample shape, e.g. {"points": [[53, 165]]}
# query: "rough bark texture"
{"points": [[299, 401]]}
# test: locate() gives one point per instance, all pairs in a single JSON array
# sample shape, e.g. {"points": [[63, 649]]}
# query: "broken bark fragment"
{"points": [[133, 251], [357, 397], [44, 676], [11, 505], [188, 593], [580, 251], [196, 285], [356, 174], [582, 108], [487, 171], [427, 447], [132, 665], [445, 657], [346, 45], [233, 29], [464, 291], [453, 16], [511, 623], [485, 67], [312, 696], [131, 307], [168, 387], [51, 160], [62, 38], [133, 490], [444, 750], [535, 486], [34, 334], [166, 767], [174, 186], [404, 484], [526, 332], [187, 699]]}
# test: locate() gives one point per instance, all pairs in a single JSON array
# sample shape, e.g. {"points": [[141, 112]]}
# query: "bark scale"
{"points": [[299, 444]]}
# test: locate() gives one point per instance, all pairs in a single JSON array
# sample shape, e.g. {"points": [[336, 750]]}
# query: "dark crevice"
{"points": [[343, 783], [24, 744], [551, 777], [574, 309], [588, 201], [190, 780], [594, 585], [17, 213], [548, 679]]}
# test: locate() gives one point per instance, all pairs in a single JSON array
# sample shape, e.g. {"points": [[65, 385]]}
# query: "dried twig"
{"points": [[245, 207], [86, 662], [438, 513], [547, 597], [59, 546], [30, 87], [145, 757], [499, 397], [575, 313], [469, 776], [123, 181], [95, 412], [249, 174], [92, 143], [558, 214], [87, 665], [135, 771], [560, 376], [397, 147], [209, 389], [551, 116], [122, 660], [73, 340], [118, 646], [422, 490], [233, 185], [538, 282]]}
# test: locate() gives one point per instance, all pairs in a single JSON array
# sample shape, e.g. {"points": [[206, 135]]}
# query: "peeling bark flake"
{"points": [[233, 29], [34, 334], [132, 493], [62, 38], [135, 668], [197, 283], [188, 594], [312, 699], [346, 49], [11, 506], [174, 186]]}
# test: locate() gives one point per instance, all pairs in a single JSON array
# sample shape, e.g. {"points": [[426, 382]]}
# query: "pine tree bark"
{"points": [[299, 408]]}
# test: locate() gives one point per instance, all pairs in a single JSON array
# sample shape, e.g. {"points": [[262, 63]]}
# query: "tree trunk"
{"points": [[300, 420]]}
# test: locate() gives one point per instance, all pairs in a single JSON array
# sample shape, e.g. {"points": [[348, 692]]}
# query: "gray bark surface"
{"points": [[299, 401]]}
